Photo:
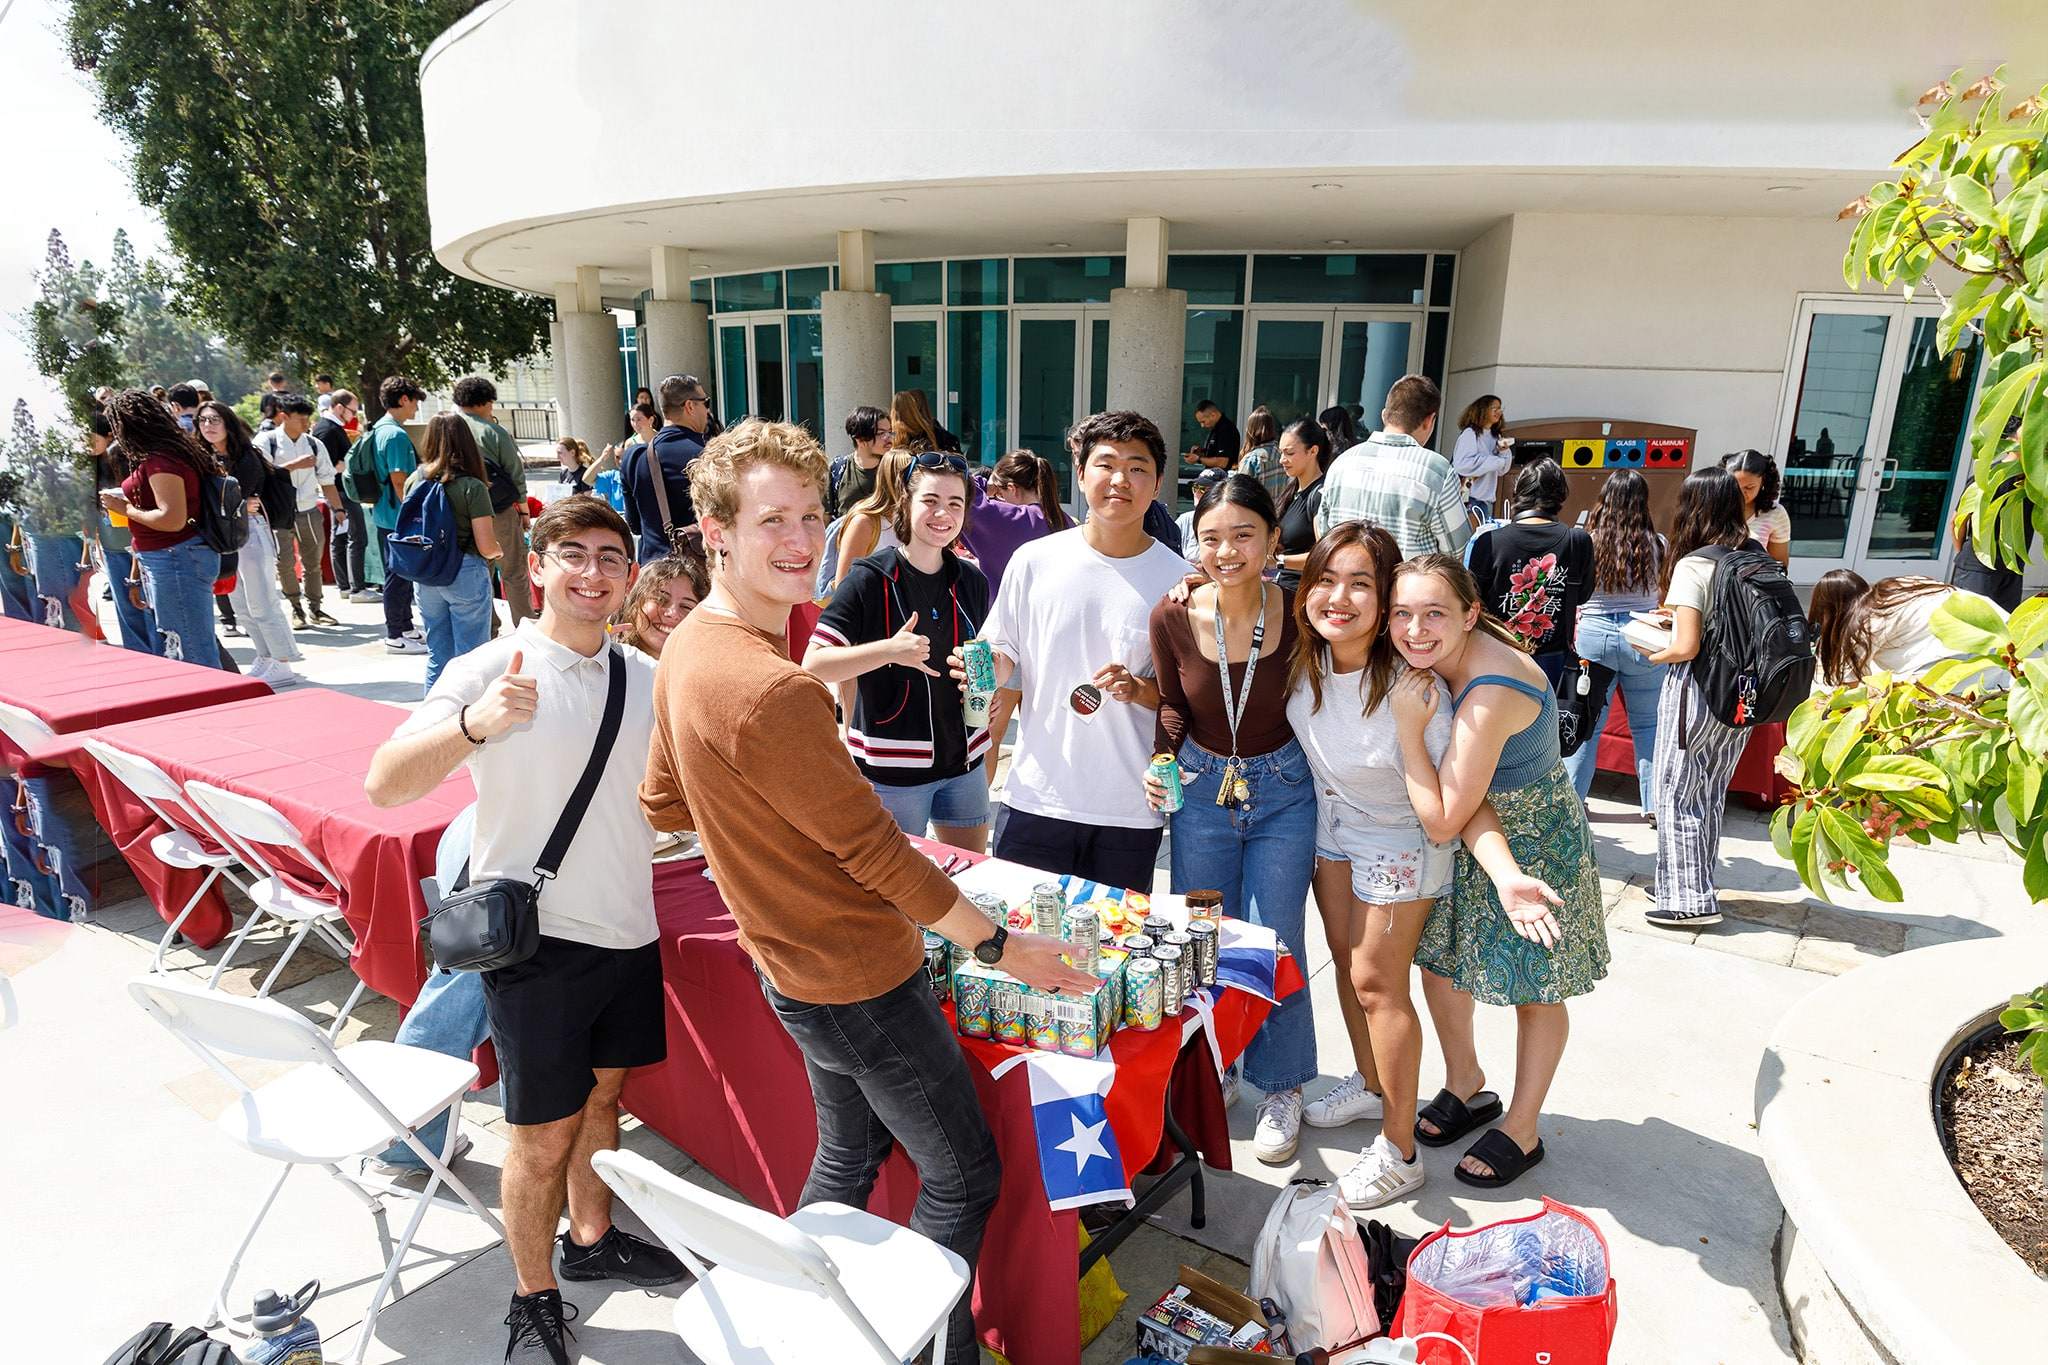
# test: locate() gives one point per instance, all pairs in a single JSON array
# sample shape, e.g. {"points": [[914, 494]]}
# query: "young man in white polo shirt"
{"points": [[522, 713], [1071, 630]]}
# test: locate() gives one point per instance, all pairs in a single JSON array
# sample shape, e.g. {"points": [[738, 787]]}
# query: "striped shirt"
{"points": [[1392, 482]]}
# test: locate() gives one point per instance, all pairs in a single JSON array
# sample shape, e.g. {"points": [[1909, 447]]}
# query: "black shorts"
{"points": [[566, 1011]]}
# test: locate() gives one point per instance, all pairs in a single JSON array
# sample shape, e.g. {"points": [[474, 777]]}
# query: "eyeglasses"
{"points": [[211, 419], [576, 559], [932, 459]]}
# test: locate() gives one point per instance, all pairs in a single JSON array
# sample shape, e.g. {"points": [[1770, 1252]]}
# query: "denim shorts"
{"points": [[951, 802], [1389, 863]]}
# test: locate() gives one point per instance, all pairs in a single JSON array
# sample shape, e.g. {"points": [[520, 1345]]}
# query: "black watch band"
{"points": [[990, 951]]}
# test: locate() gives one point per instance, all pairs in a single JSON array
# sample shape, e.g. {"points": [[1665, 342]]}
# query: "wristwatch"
{"points": [[990, 953]]}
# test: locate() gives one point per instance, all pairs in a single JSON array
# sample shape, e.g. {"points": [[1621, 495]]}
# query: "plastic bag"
{"points": [[1513, 1291], [1554, 1255]]}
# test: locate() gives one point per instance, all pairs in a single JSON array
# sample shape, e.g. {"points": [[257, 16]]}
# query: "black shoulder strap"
{"points": [[586, 786], [668, 518]]}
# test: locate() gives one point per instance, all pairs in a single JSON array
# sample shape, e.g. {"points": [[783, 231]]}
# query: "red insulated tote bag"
{"points": [[1527, 1291]]}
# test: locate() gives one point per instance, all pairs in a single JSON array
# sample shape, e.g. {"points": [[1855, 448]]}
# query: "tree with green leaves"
{"points": [[74, 329], [281, 143], [162, 342]]}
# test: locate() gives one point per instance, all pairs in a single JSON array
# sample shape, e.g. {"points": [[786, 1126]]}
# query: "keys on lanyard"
{"points": [[1233, 790]]}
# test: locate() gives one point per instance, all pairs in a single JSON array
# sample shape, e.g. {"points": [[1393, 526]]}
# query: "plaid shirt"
{"points": [[1392, 482]]}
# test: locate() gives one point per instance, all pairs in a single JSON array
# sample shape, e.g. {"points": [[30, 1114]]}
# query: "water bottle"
{"points": [[284, 1334]]}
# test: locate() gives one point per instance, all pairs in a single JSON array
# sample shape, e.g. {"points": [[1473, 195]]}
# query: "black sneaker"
{"points": [[1666, 919], [619, 1255], [539, 1322], [321, 618], [298, 616]]}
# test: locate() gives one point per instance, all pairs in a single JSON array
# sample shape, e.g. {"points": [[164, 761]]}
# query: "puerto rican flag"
{"points": [[1077, 1149]]}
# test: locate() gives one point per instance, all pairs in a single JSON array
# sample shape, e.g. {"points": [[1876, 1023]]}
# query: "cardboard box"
{"points": [[1095, 1014], [1200, 1311]]}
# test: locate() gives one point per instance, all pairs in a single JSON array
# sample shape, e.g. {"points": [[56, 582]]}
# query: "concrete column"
{"points": [[678, 341], [558, 364], [1147, 350], [859, 359], [597, 378]]}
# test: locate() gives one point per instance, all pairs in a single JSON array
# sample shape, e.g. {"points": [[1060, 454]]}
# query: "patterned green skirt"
{"points": [[1469, 940]]}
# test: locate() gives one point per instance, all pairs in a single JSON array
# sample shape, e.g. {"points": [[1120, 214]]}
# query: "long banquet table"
{"points": [[733, 1094], [306, 752]]}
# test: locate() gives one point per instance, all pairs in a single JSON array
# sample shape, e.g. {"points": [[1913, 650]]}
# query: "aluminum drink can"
{"points": [[1139, 944], [971, 1006], [1040, 1027], [1081, 931], [1172, 979], [1205, 936], [1167, 769], [980, 658], [1048, 904], [1077, 1037], [1144, 994], [1157, 924], [1106, 939], [938, 964], [1006, 1014], [991, 907]]}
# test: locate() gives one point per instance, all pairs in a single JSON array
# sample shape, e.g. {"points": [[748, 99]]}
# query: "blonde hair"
{"points": [[892, 489], [582, 450], [715, 475]]}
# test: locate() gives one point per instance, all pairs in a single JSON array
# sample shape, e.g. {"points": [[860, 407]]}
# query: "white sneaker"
{"points": [[280, 674], [405, 644], [1276, 1131], [366, 595], [1380, 1176], [1233, 1086], [419, 635], [1346, 1102], [398, 1170]]}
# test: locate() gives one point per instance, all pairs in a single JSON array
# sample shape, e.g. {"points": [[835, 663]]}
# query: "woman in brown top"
{"points": [[1247, 822]]}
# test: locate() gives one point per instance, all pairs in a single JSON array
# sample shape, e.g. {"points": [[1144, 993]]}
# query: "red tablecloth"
{"points": [[306, 752], [1754, 775], [733, 1094], [73, 685]]}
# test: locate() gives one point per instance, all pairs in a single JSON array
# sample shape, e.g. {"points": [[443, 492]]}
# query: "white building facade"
{"points": [[1601, 211]]}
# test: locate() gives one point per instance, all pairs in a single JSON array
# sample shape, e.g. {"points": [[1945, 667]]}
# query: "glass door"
{"points": [[1870, 442], [751, 370], [1045, 385], [1368, 354], [1303, 361], [734, 372], [916, 334], [767, 401], [1287, 365]]}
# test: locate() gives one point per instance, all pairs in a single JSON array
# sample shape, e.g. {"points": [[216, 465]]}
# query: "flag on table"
{"points": [[1077, 1149], [1248, 957]]}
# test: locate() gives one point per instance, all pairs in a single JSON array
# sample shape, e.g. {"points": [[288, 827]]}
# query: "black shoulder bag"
{"points": [[496, 923]]}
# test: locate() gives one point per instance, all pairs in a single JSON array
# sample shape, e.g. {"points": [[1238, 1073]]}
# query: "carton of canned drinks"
{"points": [[1166, 769], [1206, 937], [1144, 994], [1006, 1013], [971, 1000], [1048, 903], [1139, 943], [1173, 986], [1041, 1025], [938, 964]]}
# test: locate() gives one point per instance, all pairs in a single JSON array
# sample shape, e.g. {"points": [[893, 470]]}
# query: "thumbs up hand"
{"points": [[908, 648], [507, 704]]}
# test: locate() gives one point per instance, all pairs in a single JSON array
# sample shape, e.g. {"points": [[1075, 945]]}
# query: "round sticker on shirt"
{"points": [[1086, 700]]}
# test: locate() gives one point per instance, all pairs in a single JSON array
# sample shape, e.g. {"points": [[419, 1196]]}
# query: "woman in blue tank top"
{"points": [[1516, 950]]}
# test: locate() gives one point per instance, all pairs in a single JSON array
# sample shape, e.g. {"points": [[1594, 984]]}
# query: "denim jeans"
{"points": [[950, 803], [1260, 855], [31, 876], [887, 1071], [17, 591], [53, 567], [397, 592], [179, 584], [259, 601], [1616, 660], [457, 617], [138, 632]]}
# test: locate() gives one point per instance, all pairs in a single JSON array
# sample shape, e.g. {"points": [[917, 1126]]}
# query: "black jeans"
{"points": [[887, 1071], [397, 593], [1109, 854], [351, 548]]}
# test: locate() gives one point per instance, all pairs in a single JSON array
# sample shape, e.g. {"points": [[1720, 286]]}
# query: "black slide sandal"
{"points": [[1454, 1117], [1509, 1162]]}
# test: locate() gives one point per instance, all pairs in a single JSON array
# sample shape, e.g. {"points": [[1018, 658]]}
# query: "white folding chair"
{"points": [[179, 845], [340, 1104], [250, 825], [9, 1013], [827, 1283], [24, 729]]}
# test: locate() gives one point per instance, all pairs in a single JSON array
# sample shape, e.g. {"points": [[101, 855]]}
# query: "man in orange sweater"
{"points": [[827, 892]]}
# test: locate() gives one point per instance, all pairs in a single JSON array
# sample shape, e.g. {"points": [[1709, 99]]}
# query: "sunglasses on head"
{"points": [[933, 459]]}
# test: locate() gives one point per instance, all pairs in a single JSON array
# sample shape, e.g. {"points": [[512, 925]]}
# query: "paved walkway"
{"points": [[1650, 1129]]}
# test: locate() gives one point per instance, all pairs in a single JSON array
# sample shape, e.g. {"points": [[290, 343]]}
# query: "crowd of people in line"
{"points": [[1358, 664]]}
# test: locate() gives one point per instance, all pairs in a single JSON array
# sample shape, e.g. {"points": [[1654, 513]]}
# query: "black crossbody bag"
{"points": [[493, 924]]}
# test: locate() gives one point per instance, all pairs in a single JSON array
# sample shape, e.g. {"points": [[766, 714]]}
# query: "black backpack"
{"points": [[222, 515], [1756, 649], [160, 1344]]}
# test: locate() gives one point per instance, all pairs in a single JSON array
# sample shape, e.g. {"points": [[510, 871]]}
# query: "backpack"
{"points": [[424, 548], [158, 1344], [1310, 1260], [504, 492], [279, 495], [360, 481], [223, 515], [828, 562], [1756, 649], [833, 475]]}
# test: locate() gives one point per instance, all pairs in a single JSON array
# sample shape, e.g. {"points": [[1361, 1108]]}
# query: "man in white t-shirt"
{"points": [[522, 714], [1070, 632], [290, 446]]}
